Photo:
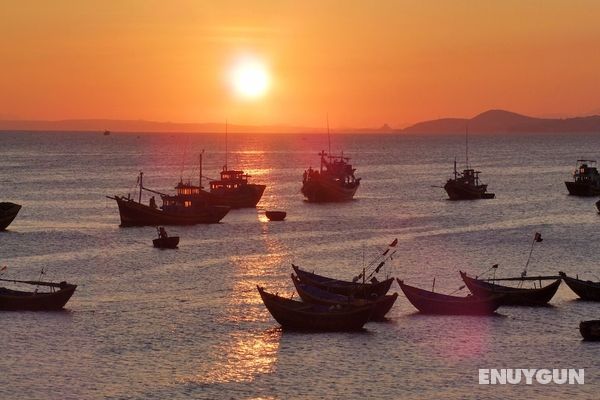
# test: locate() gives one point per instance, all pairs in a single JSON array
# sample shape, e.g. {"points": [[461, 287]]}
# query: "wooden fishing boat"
{"points": [[435, 303], [296, 315], [367, 290], [511, 295], [189, 206], [276, 215], [333, 182], [586, 290], [312, 294], [586, 179], [8, 212], [590, 330], [54, 299]]}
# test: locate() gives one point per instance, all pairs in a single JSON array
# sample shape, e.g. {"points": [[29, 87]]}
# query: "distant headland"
{"points": [[488, 122]]}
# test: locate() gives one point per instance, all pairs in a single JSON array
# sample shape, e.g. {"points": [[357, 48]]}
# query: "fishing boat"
{"points": [[8, 212], [297, 315], [466, 184], [54, 299], [164, 241], [275, 215], [514, 296], [364, 290], [590, 330], [586, 179], [333, 182], [586, 290], [234, 190], [189, 206], [312, 294], [435, 303]]}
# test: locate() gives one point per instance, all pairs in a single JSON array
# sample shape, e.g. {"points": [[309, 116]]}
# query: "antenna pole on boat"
{"points": [[226, 144], [467, 144], [455, 173], [328, 134], [141, 186], [200, 173]]}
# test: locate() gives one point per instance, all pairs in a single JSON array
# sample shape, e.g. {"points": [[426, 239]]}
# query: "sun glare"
{"points": [[249, 78]]}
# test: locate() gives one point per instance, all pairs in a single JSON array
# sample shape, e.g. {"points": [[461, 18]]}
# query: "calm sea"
{"points": [[188, 323]]}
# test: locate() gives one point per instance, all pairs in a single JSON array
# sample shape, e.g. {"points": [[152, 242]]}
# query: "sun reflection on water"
{"points": [[242, 358]]}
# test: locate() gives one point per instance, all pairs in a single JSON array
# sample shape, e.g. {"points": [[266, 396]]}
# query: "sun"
{"points": [[249, 78]]}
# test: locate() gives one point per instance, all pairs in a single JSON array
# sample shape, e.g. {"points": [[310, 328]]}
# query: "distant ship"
{"points": [[106, 133], [586, 179], [333, 182], [189, 206], [466, 185]]}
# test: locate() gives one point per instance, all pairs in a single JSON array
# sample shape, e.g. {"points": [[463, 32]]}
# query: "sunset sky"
{"points": [[364, 63]]}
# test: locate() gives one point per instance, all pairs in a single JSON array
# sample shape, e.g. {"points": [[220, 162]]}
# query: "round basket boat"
{"points": [[276, 215]]}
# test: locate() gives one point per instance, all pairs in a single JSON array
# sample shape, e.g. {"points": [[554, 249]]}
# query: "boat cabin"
{"points": [[230, 179], [586, 172], [188, 196]]}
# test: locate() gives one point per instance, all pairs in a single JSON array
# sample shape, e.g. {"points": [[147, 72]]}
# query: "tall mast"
{"points": [[467, 144], [226, 144], [141, 186], [200, 173], [328, 134]]}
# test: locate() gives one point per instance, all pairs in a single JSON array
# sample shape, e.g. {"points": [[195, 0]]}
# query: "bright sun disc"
{"points": [[249, 78]]}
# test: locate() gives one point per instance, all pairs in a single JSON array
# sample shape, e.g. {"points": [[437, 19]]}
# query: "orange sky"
{"points": [[363, 62]]}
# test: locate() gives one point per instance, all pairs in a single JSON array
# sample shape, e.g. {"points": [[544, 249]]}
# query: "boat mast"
{"points": [[467, 144], [328, 135], [225, 144], [455, 173], [141, 186], [200, 173]]}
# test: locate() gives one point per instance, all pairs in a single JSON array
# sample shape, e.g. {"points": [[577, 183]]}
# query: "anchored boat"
{"points": [[313, 294], [586, 290], [514, 296], [586, 179], [333, 182], [435, 303], [466, 185], [189, 206], [296, 315], [8, 212], [54, 299]]}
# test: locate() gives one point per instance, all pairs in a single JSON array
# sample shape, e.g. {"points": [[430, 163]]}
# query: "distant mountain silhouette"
{"points": [[501, 121], [100, 125]]}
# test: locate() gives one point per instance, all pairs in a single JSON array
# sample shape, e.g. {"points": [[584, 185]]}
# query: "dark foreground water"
{"points": [[151, 324]]}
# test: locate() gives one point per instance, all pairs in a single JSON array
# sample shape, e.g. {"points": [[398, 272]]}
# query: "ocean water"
{"points": [[189, 323]]}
